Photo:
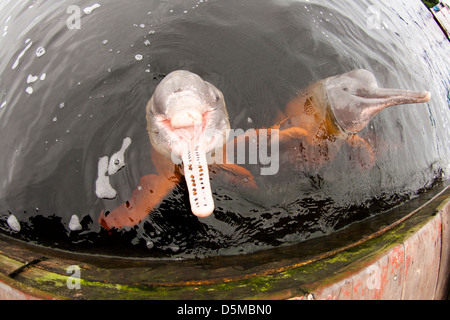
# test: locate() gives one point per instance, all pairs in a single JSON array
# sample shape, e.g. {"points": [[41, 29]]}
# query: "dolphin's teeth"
{"points": [[200, 195]]}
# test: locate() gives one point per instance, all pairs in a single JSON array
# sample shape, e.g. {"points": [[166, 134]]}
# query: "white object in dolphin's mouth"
{"points": [[197, 179], [183, 131], [187, 130]]}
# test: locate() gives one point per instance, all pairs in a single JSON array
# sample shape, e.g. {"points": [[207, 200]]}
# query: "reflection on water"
{"points": [[69, 97]]}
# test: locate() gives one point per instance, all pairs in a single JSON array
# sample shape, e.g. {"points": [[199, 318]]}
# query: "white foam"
{"points": [[21, 54], [138, 57], [103, 188], [40, 52], [150, 244], [74, 223], [117, 160], [31, 78], [29, 90], [88, 10], [43, 76], [3, 104], [13, 223]]}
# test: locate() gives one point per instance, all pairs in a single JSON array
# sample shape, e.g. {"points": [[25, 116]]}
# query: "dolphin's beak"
{"points": [[363, 105], [379, 98], [188, 125]]}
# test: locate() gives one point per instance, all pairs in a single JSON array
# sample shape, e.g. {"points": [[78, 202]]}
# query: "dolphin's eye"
{"points": [[345, 89], [217, 98]]}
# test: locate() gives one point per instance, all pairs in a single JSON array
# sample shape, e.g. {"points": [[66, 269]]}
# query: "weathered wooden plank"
{"points": [[383, 280], [443, 285], [400, 262], [9, 293], [14, 290], [341, 290], [422, 259], [392, 277]]}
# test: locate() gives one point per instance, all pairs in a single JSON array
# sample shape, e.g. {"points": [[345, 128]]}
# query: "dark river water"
{"points": [[72, 91]]}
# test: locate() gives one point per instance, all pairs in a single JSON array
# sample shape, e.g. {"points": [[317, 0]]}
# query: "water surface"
{"points": [[69, 97]]}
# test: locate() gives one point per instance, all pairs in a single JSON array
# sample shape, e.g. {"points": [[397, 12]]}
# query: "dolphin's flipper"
{"points": [[362, 150], [234, 174], [150, 192]]}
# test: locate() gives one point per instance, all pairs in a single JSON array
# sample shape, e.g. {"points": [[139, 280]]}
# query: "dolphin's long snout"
{"points": [[355, 98]]}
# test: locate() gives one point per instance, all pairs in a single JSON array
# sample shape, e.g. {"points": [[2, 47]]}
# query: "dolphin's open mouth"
{"points": [[188, 129]]}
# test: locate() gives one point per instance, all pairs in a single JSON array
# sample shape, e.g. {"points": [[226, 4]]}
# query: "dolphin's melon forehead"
{"points": [[179, 85]]}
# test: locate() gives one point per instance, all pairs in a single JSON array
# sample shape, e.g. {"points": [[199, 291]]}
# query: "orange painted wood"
{"points": [[443, 286], [422, 258], [417, 269]]}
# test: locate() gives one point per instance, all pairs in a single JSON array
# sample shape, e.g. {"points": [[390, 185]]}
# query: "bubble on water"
{"points": [[13, 223], [29, 90], [88, 10], [74, 223], [43, 76], [147, 70], [117, 160], [185, 11], [3, 105], [147, 42], [55, 119], [105, 41], [62, 105], [249, 120], [40, 52], [31, 78], [152, 32], [103, 188], [142, 25], [22, 53], [138, 57], [150, 244]]}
